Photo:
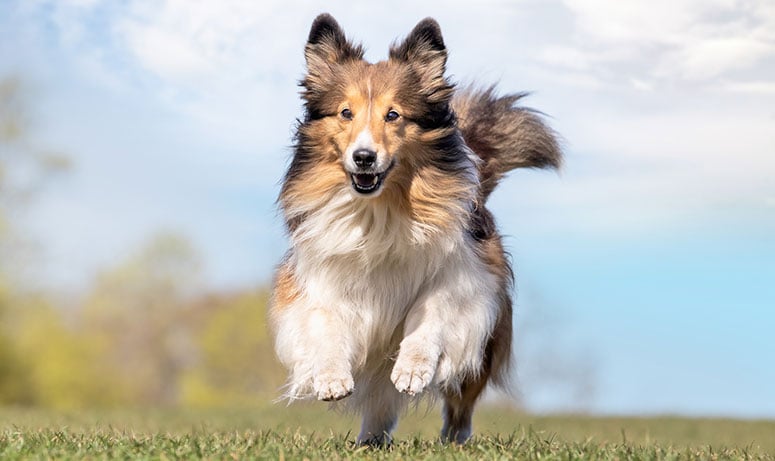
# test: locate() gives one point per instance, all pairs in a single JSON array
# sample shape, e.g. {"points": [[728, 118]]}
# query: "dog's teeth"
{"points": [[374, 181]]}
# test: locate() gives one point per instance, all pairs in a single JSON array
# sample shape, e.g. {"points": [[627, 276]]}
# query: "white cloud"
{"points": [[645, 173], [214, 39], [568, 57], [81, 3], [641, 85], [761, 87], [676, 40], [166, 54], [659, 21], [708, 58]]}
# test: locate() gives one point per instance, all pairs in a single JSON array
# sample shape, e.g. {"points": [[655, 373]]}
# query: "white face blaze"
{"points": [[366, 180], [364, 140]]}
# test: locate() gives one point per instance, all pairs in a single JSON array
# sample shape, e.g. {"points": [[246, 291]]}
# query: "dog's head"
{"points": [[374, 121]]}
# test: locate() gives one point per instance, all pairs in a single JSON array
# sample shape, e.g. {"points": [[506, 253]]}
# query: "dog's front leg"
{"points": [[331, 355], [421, 347]]}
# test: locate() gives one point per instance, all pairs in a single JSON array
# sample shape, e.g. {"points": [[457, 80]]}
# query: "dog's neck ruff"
{"points": [[367, 232]]}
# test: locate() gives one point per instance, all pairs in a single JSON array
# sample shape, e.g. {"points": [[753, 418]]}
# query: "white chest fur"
{"points": [[373, 276]]}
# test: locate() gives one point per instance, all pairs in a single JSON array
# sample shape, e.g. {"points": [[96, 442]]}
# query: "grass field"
{"points": [[311, 432]]}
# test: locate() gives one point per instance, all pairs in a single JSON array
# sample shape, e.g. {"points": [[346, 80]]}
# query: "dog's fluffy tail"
{"points": [[504, 135]]}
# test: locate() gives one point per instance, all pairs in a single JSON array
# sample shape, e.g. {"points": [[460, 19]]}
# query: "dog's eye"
{"points": [[391, 116], [346, 114]]}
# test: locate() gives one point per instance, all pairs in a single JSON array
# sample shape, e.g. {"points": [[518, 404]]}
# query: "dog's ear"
{"points": [[424, 50], [327, 44], [424, 43]]}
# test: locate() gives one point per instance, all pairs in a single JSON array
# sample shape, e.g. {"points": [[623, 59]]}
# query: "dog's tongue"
{"points": [[365, 180]]}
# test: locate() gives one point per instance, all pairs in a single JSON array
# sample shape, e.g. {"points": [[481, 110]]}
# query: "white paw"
{"points": [[331, 386], [412, 376]]}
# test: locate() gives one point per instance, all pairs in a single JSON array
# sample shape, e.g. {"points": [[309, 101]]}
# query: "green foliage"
{"points": [[138, 311], [236, 365], [65, 366], [13, 374], [144, 335], [14, 383]]}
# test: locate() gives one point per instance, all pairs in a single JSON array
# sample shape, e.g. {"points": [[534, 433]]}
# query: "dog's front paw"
{"points": [[412, 376], [330, 386]]}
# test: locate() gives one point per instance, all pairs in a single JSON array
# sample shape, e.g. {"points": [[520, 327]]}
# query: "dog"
{"points": [[396, 284]]}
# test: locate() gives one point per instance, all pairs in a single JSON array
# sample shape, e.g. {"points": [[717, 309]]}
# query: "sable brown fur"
{"points": [[504, 135]]}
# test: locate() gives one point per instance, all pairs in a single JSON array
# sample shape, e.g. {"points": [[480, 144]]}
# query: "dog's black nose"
{"points": [[364, 158]]}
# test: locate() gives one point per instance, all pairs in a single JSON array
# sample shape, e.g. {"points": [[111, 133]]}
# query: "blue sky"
{"points": [[646, 269]]}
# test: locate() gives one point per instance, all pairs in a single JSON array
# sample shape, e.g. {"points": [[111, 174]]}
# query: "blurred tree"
{"points": [[235, 363], [14, 379], [170, 344], [138, 312], [14, 384], [24, 167], [143, 335], [67, 365]]}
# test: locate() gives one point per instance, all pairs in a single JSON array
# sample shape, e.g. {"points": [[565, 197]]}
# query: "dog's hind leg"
{"points": [[381, 406], [459, 408], [459, 403]]}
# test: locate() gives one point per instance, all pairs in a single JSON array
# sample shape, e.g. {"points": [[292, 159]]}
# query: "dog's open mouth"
{"points": [[366, 183]]}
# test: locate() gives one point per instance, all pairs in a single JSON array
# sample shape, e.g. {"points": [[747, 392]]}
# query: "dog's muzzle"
{"points": [[366, 180]]}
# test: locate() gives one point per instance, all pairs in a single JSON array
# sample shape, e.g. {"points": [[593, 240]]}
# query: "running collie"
{"points": [[396, 283]]}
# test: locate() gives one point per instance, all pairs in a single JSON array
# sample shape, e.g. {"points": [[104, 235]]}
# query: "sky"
{"points": [[645, 269]]}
